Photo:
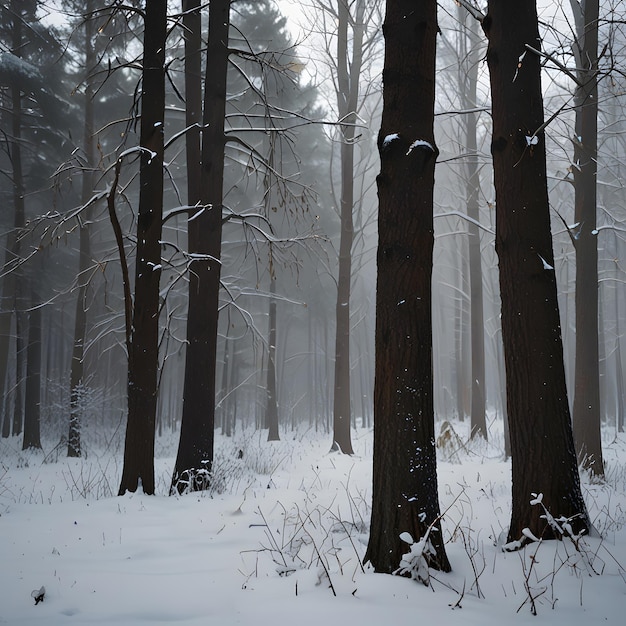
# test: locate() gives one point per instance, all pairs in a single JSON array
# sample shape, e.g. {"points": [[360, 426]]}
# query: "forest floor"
{"points": [[281, 540]]}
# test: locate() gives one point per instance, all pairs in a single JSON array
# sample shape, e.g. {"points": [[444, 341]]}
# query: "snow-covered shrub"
{"points": [[415, 562]]}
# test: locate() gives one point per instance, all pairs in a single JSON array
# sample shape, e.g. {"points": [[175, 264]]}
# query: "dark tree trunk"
{"points": [[542, 447], [20, 287], [477, 411], [271, 411], [84, 260], [32, 404], [619, 373], [586, 410], [405, 495], [222, 396], [228, 384], [460, 356], [195, 449], [7, 306], [21, 327], [192, 34], [143, 351], [7, 296], [347, 98]]}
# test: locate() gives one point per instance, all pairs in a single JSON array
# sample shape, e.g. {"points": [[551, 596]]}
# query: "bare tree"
{"points": [[349, 34]]}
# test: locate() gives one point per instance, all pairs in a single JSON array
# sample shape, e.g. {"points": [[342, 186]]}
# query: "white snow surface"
{"points": [[283, 538]]}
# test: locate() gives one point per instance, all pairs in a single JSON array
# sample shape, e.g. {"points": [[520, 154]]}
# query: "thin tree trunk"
{"points": [[32, 405], [459, 369], [7, 307], [347, 98], [21, 329], [619, 373], [477, 411], [20, 287], [272, 396], [192, 34], [225, 382], [80, 323]]}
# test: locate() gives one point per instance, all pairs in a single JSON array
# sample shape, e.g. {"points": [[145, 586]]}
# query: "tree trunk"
{"points": [[225, 384], [19, 283], [347, 100], [143, 350], [619, 373], [32, 404], [271, 412], [586, 410], [459, 343], [229, 384], [21, 328], [7, 306], [477, 412], [405, 496], [195, 448], [84, 260], [542, 447], [192, 34]]}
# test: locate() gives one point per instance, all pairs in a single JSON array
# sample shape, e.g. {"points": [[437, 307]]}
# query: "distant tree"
{"points": [[33, 136], [77, 367], [468, 95], [271, 408], [464, 47], [542, 446], [143, 329], [17, 75], [349, 36], [349, 60], [405, 495], [32, 396], [271, 114]]}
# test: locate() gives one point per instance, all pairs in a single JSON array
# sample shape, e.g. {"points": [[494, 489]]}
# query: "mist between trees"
{"points": [[190, 239]]}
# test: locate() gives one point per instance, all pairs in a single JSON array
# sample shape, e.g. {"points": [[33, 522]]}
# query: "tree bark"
{"points": [[347, 100], [195, 448], [32, 403], [18, 280], [586, 409], [7, 308], [405, 496], [271, 412], [143, 351], [84, 260], [542, 447], [477, 412], [192, 34]]}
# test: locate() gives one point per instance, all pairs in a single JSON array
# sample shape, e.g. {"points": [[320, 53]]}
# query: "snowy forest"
{"points": [[298, 295]]}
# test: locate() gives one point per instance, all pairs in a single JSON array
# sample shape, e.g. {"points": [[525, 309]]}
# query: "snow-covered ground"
{"points": [[283, 543]]}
